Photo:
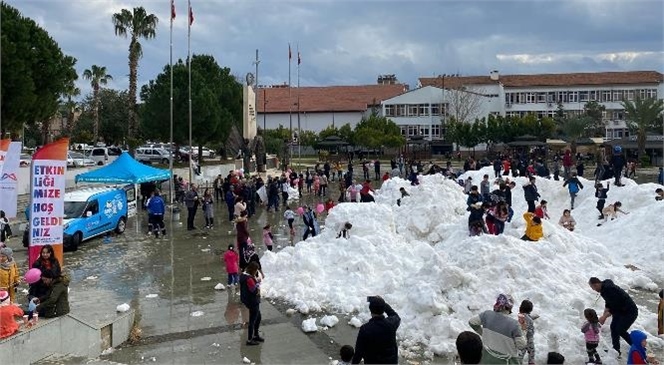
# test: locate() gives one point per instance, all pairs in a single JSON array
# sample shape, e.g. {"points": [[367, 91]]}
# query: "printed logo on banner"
{"points": [[6, 176]]}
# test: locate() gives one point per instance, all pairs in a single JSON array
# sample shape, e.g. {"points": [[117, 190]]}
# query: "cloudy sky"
{"points": [[350, 42]]}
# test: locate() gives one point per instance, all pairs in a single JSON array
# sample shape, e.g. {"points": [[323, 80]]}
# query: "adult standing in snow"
{"points": [[619, 305], [617, 163], [377, 340], [501, 334], [574, 186], [530, 194], [377, 169], [567, 163], [365, 196], [310, 223]]}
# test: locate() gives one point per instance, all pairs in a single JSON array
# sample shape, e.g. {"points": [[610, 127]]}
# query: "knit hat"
{"points": [[7, 252], [503, 302], [4, 295]]}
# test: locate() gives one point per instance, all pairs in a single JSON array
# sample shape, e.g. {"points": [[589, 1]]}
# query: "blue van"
{"points": [[95, 211]]}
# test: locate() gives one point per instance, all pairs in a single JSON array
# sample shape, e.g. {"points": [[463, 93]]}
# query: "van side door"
{"points": [[92, 220]]}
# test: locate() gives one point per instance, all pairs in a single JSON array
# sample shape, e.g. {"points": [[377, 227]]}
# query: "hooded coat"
{"points": [[637, 353], [56, 303]]}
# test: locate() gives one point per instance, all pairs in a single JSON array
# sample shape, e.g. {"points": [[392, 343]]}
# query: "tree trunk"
{"points": [[96, 113], [133, 71], [641, 143]]}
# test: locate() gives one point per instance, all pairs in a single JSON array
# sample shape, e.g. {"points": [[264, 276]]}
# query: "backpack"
{"points": [[573, 187]]}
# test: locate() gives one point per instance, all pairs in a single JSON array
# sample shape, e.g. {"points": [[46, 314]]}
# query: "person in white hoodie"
{"points": [[502, 336]]}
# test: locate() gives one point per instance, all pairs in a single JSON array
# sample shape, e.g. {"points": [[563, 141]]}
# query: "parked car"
{"points": [[104, 155], [77, 159], [150, 155], [93, 212], [25, 160]]}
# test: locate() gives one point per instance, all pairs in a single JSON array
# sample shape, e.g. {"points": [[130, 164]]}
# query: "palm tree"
{"points": [[574, 128], [97, 76], [643, 115], [138, 24], [70, 106]]}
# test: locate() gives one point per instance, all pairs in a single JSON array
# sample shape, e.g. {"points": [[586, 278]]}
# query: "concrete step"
{"points": [[59, 359]]}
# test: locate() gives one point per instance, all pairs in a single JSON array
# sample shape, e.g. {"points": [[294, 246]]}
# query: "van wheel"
{"points": [[164, 161], [75, 242], [122, 225], [100, 163]]}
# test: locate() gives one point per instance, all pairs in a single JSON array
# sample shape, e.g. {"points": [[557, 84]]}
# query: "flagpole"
{"points": [[172, 154], [290, 106], [299, 130], [191, 147]]}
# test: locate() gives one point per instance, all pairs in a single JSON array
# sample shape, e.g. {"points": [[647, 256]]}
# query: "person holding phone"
{"points": [[377, 340]]}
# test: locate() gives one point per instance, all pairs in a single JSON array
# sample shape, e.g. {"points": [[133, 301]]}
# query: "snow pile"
{"points": [[419, 258], [122, 307], [643, 223], [329, 321], [309, 325]]}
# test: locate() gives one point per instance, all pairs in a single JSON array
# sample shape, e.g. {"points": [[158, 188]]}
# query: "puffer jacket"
{"points": [[57, 299]]}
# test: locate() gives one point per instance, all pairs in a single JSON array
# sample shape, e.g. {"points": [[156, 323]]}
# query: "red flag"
{"points": [[290, 56], [299, 60], [172, 10], [191, 16]]}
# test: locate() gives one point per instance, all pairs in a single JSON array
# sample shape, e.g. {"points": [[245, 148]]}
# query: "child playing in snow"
{"points": [[267, 237], [542, 210], [533, 227], [590, 331], [485, 187], [232, 261], [345, 232], [289, 216], [346, 354], [528, 327], [660, 314], [567, 221], [467, 185], [612, 210], [637, 352], [601, 194], [660, 194]]}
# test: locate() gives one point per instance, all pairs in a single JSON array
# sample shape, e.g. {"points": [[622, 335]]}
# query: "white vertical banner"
{"points": [[4, 146], [9, 180]]}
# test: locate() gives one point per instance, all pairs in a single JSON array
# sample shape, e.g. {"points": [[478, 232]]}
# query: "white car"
{"points": [[207, 153], [104, 155], [77, 159], [25, 160]]}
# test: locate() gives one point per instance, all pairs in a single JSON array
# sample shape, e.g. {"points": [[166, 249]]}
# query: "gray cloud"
{"points": [[351, 42]]}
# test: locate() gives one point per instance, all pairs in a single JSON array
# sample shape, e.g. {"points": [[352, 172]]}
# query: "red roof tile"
{"points": [[569, 79], [327, 98]]}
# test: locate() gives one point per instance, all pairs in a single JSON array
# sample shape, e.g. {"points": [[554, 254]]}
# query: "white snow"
{"points": [[197, 313], [245, 360], [122, 307], [206, 278], [309, 325], [219, 286], [355, 322], [149, 296], [420, 259], [329, 321]]}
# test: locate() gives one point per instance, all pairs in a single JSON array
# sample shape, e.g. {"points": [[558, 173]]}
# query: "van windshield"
{"points": [[74, 209]]}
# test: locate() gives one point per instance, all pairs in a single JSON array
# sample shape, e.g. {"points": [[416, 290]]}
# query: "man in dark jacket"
{"points": [[191, 201], [56, 301], [619, 305], [250, 296], [531, 195], [377, 339], [617, 164], [156, 209]]}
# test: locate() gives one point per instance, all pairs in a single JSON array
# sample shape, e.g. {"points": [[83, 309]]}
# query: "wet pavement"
{"points": [[180, 317]]}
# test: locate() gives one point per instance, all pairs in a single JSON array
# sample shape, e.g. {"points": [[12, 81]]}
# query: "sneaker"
{"points": [[259, 339], [252, 343]]}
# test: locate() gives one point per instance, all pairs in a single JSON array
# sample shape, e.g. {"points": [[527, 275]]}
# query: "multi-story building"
{"points": [[518, 95], [316, 108]]}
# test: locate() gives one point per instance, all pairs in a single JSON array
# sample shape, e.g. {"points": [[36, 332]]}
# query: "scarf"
{"points": [[249, 251]]}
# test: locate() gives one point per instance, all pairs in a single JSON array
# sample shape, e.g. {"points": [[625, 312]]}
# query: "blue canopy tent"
{"points": [[124, 170]]}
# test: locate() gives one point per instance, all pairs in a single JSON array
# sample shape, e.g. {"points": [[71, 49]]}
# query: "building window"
{"points": [[424, 110], [530, 98], [606, 96], [389, 110], [629, 95], [435, 131], [403, 129], [583, 96], [617, 95], [541, 97], [435, 109], [618, 115], [412, 130], [573, 96], [412, 110], [652, 93], [401, 110], [593, 95], [424, 131]]}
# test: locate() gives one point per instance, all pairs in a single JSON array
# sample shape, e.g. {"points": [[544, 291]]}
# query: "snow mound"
{"points": [[122, 307], [329, 321], [420, 259], [309, 325], [219, 286]]}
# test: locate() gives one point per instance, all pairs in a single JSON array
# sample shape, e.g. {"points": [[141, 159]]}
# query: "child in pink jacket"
{"points": [[232, 261], [267, 237]]}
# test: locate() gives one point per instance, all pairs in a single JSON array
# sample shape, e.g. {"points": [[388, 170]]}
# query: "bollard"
{"points": [[176, 214]]}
